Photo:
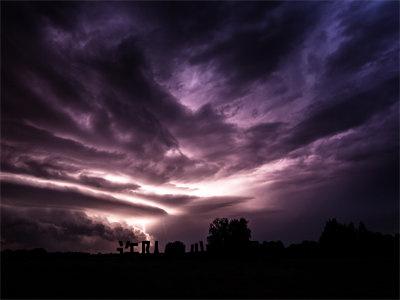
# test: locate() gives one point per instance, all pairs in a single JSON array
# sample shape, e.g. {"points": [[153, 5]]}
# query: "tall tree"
{"points": [[228, 236]]}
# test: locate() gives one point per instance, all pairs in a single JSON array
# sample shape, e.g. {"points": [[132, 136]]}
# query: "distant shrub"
{"points": [[176, 248]]}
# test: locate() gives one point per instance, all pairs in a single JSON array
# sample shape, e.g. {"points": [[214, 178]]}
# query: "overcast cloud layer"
{"points": [[146, 120]]}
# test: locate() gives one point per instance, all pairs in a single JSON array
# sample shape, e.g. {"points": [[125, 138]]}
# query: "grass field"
{"points": [[111, 276]]}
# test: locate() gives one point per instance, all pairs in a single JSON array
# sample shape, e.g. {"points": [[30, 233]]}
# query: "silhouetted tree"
{"points": [[345, 239], [218, 234], [338, 238], [176, 248], [272, 248], [239, 232], [230, 236], [304, 249], [255, 248]]}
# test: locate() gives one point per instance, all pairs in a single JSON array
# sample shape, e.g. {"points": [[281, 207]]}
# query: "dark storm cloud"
{"points": [[210, 134], [194, 204], [61, 230], [133, 111], [179, 92], [262, 143], [250, 54], [129, 91], [55, 168], [345, 112], [364, 152], [191, 24], [355, 175], [20, 194], [105, 184], [16, 160], [39, 139], [375, 27], [209, 205]]}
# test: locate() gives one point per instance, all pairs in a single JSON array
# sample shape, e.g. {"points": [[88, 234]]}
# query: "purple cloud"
{"points": [[181, 112]]}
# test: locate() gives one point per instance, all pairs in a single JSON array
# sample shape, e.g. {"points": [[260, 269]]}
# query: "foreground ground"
{"points": [[111, 276]]}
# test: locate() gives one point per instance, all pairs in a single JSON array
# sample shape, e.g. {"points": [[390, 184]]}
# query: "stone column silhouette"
{"points": [[145, 247], [196, 247], [131, 246], [156, 248], [201, 246], [191, 248], [120, 249]]}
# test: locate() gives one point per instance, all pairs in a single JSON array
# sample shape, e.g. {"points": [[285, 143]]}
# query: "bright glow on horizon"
{"points": [[236, 185], [138, 223]]}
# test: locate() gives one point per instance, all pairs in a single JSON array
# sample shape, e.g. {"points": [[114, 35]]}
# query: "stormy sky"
{"points": [[147, 120]]}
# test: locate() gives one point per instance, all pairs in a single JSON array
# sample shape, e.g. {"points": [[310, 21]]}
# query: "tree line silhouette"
{"points": [[347, 261], [233, 238]]}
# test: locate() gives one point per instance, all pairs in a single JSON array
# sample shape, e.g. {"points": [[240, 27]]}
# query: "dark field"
{"points": [[113, 276]]}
